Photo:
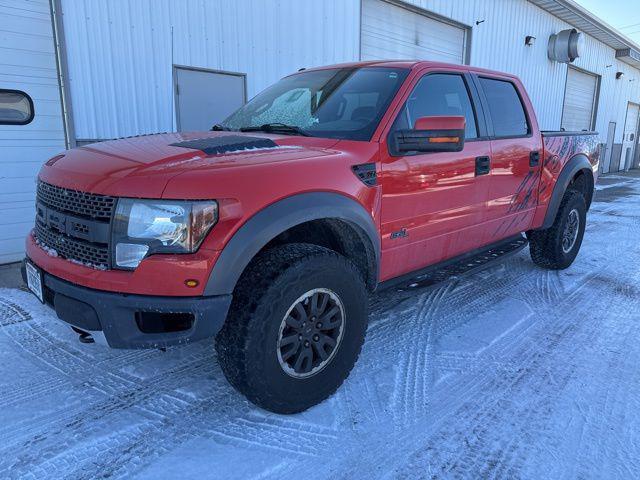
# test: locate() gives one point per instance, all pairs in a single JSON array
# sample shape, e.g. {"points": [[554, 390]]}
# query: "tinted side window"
{"points": [[438, 94], [505, 107], [16, 108]]}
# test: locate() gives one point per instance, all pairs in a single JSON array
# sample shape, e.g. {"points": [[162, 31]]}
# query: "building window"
{"points": [[16, 107]]}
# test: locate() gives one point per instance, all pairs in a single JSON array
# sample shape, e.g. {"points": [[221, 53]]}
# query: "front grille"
{"points": [[89, 254], [74, 225], [88, 205]]}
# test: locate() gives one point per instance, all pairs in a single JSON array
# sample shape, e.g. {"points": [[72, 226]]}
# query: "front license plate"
{"points": [[34, 280]]}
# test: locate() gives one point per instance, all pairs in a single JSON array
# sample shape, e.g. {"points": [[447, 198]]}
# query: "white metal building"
{"points": [[102, 69], [28, 63]]}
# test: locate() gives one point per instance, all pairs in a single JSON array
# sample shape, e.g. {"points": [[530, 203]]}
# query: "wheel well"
{"points": [[338, 235], [582, 181]]}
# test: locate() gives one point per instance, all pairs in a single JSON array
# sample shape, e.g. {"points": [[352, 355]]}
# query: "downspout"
{"points": [[63, 72]]}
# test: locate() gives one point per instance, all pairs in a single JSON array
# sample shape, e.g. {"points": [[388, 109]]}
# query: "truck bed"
{"points": [[559, 148], [564, 133]]}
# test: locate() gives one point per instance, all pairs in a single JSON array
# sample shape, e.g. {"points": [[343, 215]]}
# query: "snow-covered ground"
{"points": [[514, 372]]}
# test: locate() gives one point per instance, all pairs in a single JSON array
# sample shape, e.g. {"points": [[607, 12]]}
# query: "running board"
{"points": [[462, 265]]}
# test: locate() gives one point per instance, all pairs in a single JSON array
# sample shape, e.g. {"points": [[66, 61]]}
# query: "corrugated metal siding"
{"points": [[120, 52], [498, 43], [28, 63]]}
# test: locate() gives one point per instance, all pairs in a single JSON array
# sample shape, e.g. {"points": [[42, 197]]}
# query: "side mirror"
{"points": [[432, 134]]}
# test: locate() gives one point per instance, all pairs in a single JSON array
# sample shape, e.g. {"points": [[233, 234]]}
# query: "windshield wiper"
{"points": [[220, 128], [276, 128]]}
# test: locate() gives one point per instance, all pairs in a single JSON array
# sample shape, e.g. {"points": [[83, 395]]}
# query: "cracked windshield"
{"points": [[345, 103]]}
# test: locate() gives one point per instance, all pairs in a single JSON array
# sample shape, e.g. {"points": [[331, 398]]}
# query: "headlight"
{"points": [[144, 227]]}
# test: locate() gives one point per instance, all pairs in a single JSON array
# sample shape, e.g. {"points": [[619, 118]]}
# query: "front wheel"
{"points": [[557, 247], [295, 328]]}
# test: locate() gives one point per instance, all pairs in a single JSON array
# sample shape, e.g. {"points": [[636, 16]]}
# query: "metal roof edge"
{"points": [[581, 18]]}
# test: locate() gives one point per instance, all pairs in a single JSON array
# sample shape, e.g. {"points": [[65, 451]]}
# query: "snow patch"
{"points": [[52, 252], [87, 264], [189, 161], [512, 372], [257, 149]]}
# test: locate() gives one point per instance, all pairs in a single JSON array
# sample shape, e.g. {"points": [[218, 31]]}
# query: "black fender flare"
{"points": [[275, 219], [573, 166]]}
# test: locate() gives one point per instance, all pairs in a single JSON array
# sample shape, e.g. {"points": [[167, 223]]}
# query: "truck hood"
{"points": [[143, 166]]}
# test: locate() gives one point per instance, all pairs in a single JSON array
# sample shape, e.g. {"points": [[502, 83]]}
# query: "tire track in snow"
{"points": [[484, 418], [11, 313], [492, 416], [476, 380], [123, 393]]}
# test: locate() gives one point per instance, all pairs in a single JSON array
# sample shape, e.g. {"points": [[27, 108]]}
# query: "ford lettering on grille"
{"points": [[75, 224]]}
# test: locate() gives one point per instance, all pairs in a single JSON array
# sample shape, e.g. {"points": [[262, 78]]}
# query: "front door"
{"points": [[630, 137], [432, 203]]}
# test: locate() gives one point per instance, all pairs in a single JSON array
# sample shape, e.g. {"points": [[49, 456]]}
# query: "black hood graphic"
{"points": [[226, 144]]}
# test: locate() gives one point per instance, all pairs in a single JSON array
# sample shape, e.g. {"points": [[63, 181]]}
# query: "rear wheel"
{"points": [[295, 328], [557, 247]]}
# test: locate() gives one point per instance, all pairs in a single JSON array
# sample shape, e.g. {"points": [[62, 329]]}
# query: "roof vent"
{"points": [[565, 46]]}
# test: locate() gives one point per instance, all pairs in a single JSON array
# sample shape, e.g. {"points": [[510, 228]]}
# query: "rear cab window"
{"points": [[506, 109], [16, 107]]}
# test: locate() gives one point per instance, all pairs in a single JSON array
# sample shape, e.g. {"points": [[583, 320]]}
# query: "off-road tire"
{"points": [[247, 345], [545, 246]]}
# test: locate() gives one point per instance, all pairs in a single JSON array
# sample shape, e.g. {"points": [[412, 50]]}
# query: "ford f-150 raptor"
{"points": [[270, 231]]}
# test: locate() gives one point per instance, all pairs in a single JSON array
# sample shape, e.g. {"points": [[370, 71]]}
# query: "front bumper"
{"points": [[121, 318]]}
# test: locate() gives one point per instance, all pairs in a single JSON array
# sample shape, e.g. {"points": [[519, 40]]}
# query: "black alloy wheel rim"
{"points": [[570, 234], [310, 333]]}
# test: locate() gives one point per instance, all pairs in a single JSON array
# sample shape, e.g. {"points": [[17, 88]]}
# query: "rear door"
{"points": [[432, 203], [516, 157]]}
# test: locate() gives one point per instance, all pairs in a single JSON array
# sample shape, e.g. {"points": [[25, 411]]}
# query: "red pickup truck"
{"points": [[270, 231]]}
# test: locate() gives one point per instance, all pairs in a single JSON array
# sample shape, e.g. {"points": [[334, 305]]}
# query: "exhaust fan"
{"points": [[565, 46]]}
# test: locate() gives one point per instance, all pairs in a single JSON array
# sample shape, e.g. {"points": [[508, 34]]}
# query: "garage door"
{"points": [[579, 100], [393, 32], [27, 63]]}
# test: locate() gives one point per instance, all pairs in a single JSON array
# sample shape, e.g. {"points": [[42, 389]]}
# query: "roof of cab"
{"points": [[410, 64]]}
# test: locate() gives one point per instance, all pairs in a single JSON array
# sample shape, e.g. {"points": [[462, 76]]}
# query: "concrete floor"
{"points": [[10, 275]]}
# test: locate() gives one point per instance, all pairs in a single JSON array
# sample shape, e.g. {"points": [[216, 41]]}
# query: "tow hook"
{"points": [[84, 337]]}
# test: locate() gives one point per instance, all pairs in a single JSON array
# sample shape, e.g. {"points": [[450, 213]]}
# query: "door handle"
{"points": [[534, 158], [483, 165]]}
